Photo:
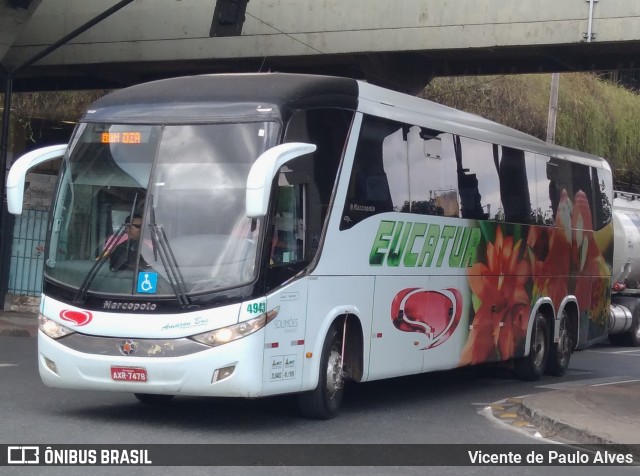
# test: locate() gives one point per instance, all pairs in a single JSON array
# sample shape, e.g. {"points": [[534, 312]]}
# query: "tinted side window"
{"points": [[432, 173], [546, 201], [380, 175], [560, 178], [602, 207], [478, 182], [514, 185]]}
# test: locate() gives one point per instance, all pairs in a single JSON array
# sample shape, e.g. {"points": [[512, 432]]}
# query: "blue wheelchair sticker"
{"points": [[147, 282]]}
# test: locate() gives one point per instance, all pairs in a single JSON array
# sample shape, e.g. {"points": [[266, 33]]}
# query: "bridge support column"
{"points": [[5, 229]]}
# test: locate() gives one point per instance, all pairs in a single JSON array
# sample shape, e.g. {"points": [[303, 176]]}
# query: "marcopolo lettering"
{"points": [[129, 306], [424, 245]]}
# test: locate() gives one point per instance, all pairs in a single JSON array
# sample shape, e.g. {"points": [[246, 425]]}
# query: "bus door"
{"points": [[288, 245]]}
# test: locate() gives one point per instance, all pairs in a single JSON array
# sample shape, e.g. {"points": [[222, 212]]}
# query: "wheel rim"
{"points": [[538, 346], [637, 330], [335, 380], [564, 342]]}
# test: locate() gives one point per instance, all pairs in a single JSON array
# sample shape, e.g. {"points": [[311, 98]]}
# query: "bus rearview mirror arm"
{"points": [[19, 169], [264, 170]]}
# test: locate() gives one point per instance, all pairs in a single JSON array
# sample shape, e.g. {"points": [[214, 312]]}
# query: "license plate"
{"points": [[129, 374]]}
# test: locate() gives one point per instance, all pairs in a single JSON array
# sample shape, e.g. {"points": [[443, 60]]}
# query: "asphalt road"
{"points": [[442, 407]]}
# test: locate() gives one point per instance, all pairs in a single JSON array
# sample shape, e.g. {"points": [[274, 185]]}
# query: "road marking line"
{"points": [[630, 352], [8, 365], [578, 372], [613, 383], [586, 382]]}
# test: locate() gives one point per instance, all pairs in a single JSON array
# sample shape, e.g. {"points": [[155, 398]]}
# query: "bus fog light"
{"points": [[223, 373], [51, 365]]}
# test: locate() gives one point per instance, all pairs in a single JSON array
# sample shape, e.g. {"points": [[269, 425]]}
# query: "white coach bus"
{"points": [[261, 234]]}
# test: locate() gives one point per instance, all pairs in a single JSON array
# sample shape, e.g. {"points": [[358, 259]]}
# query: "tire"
{"points": [[634, 335], [560, 352], [532, 366], [632, 338], [323, 403], [153, 399], [619, 340]]}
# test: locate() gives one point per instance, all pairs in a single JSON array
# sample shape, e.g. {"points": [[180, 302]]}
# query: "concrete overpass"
{"points": [[401, 44]]}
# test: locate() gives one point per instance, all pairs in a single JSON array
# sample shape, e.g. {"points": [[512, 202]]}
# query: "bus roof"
{"points": [[199, 98], [196, 97]]}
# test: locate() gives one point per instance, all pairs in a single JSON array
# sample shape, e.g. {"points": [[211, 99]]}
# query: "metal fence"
{"points": [[27, 253]]}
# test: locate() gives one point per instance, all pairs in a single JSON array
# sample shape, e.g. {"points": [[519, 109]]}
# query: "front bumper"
{"points": [[189, 374]]}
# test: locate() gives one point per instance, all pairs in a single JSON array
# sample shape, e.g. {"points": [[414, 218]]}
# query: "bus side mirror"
{"points": [[19, 169], [264, 170]]}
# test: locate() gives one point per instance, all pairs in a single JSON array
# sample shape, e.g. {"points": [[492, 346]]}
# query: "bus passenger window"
{"points": [[514, 185], [478, 182], [380, 177], [432, 173]]}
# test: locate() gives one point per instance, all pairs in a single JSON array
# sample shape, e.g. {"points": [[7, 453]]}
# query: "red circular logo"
{"points": [[434, 313], [79, 318]]}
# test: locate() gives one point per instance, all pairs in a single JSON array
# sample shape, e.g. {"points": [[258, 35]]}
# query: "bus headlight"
{"points": [[228, 334], [52, 328]]}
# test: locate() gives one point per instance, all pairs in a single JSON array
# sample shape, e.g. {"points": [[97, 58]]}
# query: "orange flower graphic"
{"points": [[587, 257], [500, 321], [550, 254]]}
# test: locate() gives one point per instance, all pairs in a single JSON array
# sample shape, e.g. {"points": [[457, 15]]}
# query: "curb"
{"points": [[569, 434]]}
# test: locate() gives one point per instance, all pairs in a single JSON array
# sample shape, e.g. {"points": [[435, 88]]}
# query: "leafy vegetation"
{"points": [[53, 105], [50, 106]]}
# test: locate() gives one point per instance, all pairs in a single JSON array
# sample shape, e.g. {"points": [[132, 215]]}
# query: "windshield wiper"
{"points": [[106, 252], [162, 248]]}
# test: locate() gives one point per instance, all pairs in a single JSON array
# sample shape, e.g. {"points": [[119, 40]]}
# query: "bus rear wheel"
{"points": [[560, 353], [533, 365], [323, 403]]}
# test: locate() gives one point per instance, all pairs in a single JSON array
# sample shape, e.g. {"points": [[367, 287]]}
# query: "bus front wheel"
{"points": [[533, 365], [323, 403]]}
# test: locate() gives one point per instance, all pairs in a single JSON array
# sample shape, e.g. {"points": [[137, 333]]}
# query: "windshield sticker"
{"points": [[424, 245], [147, 282]]}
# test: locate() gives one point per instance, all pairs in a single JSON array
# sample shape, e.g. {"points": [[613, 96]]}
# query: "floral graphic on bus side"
{"points": [[520, 264], [500, 299], [436, 314]]}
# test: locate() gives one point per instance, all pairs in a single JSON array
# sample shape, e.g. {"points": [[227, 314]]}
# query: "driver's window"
{"points": [[288, 238]]}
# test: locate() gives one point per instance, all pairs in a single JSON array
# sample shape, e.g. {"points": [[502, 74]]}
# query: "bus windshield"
{"points": [[164, 202]]}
